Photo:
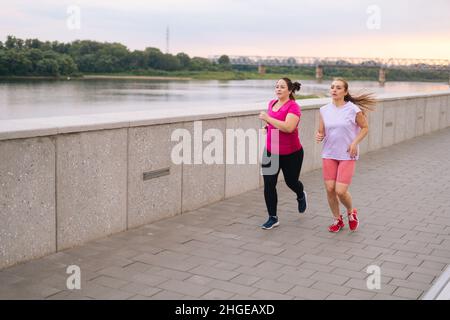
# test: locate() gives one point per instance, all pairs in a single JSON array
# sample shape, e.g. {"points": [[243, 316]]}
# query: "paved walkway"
{"points": [[219, 252]]}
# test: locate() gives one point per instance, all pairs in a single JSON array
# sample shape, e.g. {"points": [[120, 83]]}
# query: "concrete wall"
{"points": [[234, 184], [149, 200], [65, 185], [27, 199], [203, 183], [91, 180]]}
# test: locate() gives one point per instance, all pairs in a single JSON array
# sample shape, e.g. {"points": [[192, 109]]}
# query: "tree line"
{"points": [[33, 57]]}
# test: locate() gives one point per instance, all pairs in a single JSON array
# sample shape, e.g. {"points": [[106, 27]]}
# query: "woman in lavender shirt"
{"points": [[343, 125]]}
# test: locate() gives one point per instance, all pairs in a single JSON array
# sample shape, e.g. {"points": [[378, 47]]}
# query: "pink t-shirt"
{"points": [[341, 130], [287, 142]]}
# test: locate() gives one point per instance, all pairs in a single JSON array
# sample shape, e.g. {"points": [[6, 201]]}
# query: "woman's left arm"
{"points": [[361, 121]]}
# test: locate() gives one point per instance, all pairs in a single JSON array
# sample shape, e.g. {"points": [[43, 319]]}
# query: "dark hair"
{"points": [[366, 101], [292, 86]]}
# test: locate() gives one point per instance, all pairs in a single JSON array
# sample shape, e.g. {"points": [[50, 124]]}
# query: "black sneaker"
{"points": [[302, 203], [272, 222]]}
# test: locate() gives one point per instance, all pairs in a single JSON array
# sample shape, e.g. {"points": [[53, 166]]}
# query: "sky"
{"points": [[302, 28]]}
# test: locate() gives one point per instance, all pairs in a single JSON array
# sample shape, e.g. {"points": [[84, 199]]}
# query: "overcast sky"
{"points": [[341, 28]]}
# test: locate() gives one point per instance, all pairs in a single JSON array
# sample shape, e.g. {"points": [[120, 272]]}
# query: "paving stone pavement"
{"points": [[219, 251]]}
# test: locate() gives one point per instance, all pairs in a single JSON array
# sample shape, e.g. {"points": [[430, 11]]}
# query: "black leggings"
{"points": [[291, 166]]}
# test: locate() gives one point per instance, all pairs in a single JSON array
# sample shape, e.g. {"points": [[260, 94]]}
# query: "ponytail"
{"points": [[292, 87], [365, 101]]}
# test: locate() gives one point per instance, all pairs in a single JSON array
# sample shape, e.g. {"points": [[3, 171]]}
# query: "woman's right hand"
{"points": [[319, 137]]}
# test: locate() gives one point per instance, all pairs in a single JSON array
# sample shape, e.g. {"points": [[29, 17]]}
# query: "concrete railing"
{"points": [[69, 180]]}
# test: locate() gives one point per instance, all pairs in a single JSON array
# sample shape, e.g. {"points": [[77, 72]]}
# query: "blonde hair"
{"points": [[366, 101]]}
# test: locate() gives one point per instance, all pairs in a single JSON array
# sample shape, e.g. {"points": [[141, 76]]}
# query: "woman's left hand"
{"points": [[353, 150], [263, 116]]}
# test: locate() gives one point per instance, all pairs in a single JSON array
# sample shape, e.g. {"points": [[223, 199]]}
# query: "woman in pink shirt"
{"points": [[342, 126], [283, 148]]}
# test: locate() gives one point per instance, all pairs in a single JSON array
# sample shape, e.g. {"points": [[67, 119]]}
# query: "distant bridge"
{"points": [[382, 64]]}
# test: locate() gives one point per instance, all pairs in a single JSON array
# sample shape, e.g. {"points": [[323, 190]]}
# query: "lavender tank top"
{"points": [[341, 130]]}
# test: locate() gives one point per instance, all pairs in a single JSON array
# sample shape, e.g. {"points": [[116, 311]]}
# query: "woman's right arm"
{"points": [[321, 132]]}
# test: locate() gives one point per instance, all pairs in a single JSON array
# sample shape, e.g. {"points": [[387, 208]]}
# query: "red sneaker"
{"points": [[337, 225], [353, 221]]}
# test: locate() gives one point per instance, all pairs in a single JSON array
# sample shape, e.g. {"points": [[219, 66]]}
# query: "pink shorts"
{"points": [[338, 170]]}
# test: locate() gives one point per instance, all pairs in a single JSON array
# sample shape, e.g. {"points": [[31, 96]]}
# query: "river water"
{"points": [[48, 98]]}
